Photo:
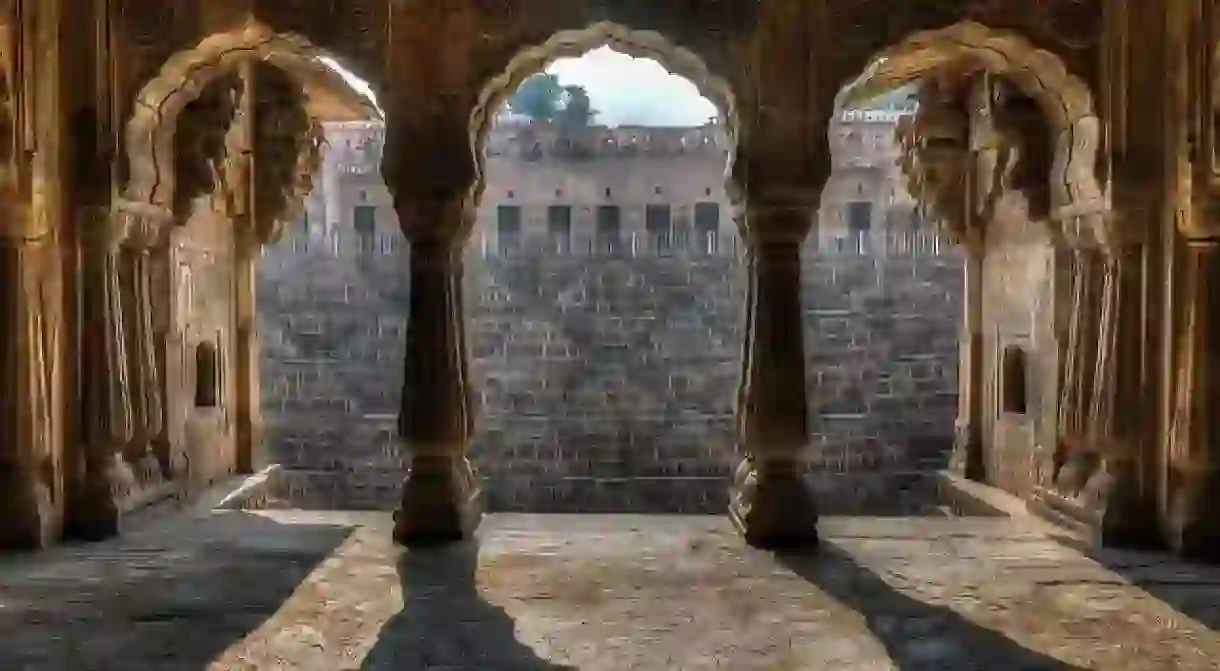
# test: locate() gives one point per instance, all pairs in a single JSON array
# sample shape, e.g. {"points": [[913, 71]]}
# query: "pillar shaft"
{"points": [[136, 275], [440, 499], [771, 502], [1194, 528], [30, 328], [107, 407], [968, 438], [1077, 456]]}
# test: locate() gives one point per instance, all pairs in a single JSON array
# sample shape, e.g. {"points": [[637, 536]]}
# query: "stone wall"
{"points": [[608, 380], [197, 279]]}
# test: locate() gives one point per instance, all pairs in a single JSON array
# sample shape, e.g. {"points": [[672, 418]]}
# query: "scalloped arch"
{"points": [[1077, 199], [569, 43], [149, 135]]}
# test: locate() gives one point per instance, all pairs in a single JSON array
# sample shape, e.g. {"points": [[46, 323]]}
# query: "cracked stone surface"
{"points": [[327, 590]]}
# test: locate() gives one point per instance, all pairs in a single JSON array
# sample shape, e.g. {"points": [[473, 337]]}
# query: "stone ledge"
{"points": [[254, 492], [926, 493]]}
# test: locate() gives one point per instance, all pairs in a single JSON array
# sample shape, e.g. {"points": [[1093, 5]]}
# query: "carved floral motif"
{"points": [[935, 156]]}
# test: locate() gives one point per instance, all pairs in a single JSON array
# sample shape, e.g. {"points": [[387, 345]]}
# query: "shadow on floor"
{"points": [[168, 598], [917, 636], [1192, 589], [446, 623]]}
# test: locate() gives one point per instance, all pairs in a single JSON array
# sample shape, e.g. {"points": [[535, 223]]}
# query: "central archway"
{"points": [[612, 208]]}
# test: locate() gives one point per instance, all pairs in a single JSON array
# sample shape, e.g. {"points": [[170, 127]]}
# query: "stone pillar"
{"points": [[245, 255], [1194, 465], [136, 279], [771, 502], [96, 512], [1077, 458], [967, 458], [1118, 490], [440, 498], [30, 328], [249, 409]]}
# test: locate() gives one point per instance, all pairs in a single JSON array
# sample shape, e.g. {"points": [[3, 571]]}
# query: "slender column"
{"points": [[249, 408], [771, 502], [249, 415], [1077, 458], [968, 429], [136, 274], [440, 498], [30, 328], [107, 414], [1117, 490], [1194, 468]]}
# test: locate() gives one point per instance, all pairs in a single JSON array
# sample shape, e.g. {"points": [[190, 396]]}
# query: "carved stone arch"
{"points": [[150, 131], [1076, 196], [571, 43]]}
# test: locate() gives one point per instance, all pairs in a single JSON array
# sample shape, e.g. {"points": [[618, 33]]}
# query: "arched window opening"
{"points": [[1013, 387], [207, 375]]}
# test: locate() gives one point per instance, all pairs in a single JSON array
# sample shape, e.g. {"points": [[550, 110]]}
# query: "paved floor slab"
{"points": [[328, 591]]}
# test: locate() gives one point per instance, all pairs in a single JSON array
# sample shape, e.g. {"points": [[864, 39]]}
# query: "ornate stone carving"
{"points": [[1064, 100], [288, 150], [935, 158], [200, 143], [1086, 401], [150, 133]]}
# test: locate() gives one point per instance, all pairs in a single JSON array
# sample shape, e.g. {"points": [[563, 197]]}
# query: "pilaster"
{"points": [[1194, 464]]}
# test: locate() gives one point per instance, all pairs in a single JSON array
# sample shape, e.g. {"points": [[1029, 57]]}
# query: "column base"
{"points": [[30, 522], [773, 506], [440, 502], [1193, 527], [967, 459], [97, 513], [147, 469], [1107, 509]]}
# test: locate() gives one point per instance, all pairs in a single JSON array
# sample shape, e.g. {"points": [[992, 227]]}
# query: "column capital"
{"points": [[779, 218], [430, 154], [138, 225], [436, 219]]}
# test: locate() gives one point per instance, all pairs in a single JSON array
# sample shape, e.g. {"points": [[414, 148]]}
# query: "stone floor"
{"points": [[328, 591]]}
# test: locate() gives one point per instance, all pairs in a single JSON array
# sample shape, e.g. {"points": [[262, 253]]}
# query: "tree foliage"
{"points": [[577, 111], [539, 97], [543, 98]]}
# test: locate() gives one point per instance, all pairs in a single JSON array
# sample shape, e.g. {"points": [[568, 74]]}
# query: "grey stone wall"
{"points": [[608, 380]]}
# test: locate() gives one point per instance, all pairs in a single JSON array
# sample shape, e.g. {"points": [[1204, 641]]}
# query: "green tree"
{"points": [[540, 97], [577, 111]]}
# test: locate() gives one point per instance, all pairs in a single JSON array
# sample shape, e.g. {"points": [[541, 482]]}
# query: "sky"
{"points": [[634, 91]]}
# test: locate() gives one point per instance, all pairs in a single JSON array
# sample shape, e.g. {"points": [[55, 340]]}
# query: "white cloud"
{"points": [[634, 91]]}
